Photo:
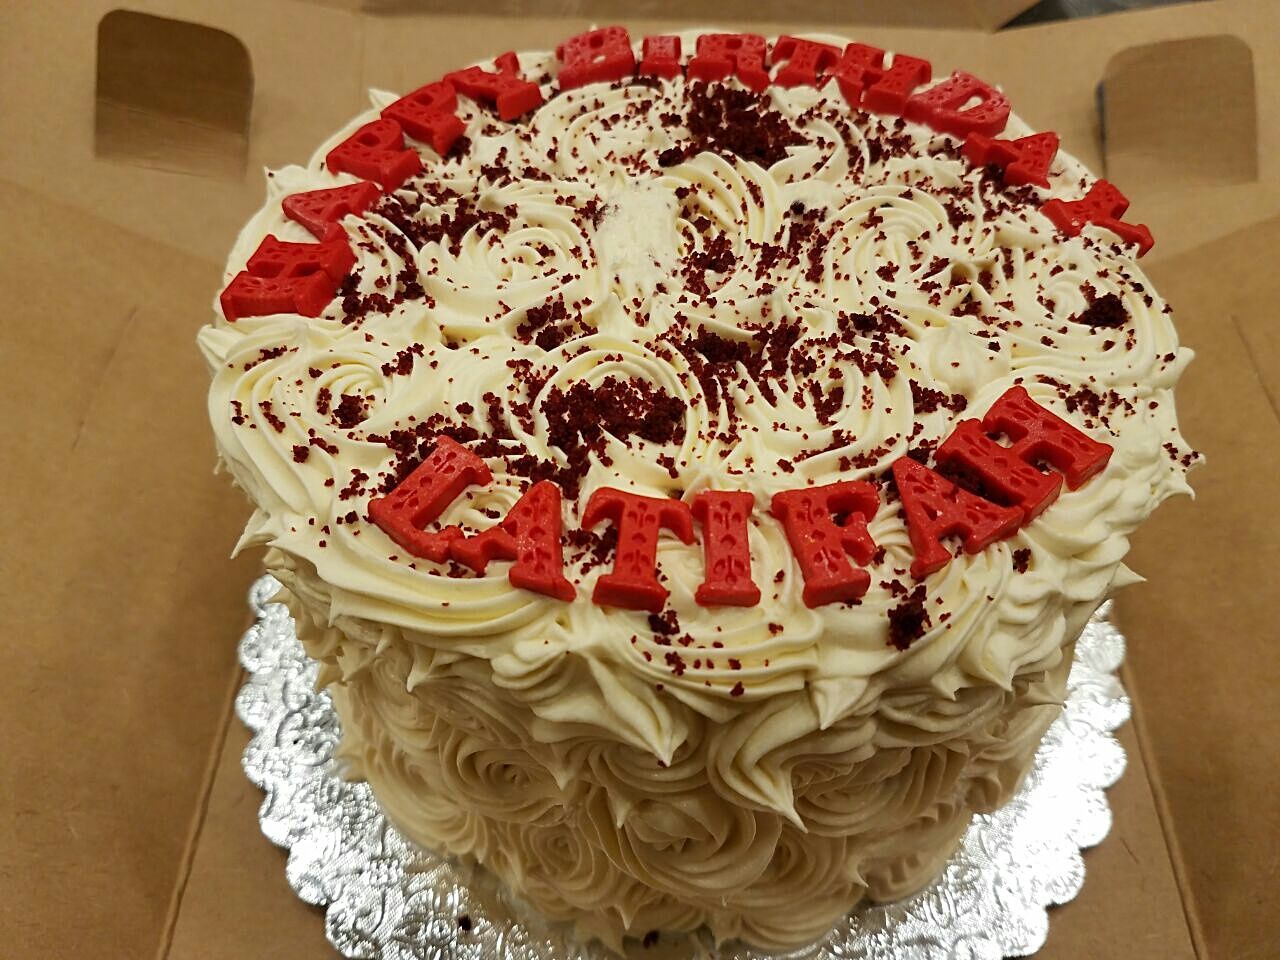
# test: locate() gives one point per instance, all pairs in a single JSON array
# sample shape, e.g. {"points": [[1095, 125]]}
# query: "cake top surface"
{"points": [[669, 285]]}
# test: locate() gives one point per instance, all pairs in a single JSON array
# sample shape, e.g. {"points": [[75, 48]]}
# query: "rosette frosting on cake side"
{"points": [[668, 286]]}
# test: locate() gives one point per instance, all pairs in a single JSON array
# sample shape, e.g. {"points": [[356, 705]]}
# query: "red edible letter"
{"points": [[529, 535], [596, 56], [820, 544], [866, 82], [427, 115], [507, 90], [633, 583], [316, 209], [1103, 205], [376, 152], [723, 515], [1021, 161], [1037, 434], [283, 276], [807, 62], [942, 106], [423, 495], [937, 508], [661, 57], [720, 55]]}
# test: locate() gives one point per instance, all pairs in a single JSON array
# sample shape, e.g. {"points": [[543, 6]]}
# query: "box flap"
{"points": [[397, 47], [927, 14]]}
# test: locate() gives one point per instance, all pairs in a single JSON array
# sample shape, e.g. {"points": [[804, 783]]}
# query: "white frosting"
{"points": [[804, 761]]}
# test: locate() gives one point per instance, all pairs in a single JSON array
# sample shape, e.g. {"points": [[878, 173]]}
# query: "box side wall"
{"points": [[119, 597], [1203, 649]]}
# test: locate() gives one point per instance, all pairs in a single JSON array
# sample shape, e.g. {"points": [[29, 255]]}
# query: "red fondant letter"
{"points": [[596, 56], [376, 152], [723, 515], [661, 57], [1103, 205], [942, 106], [510, 93], [937, 508], [1037, 435], [720, 55], [820, 544], [1021, 161], [427, 115], [866, 82], [529, 535], [423, 495], [807, 62], [633, 583], [285, 277], [316, 209]]}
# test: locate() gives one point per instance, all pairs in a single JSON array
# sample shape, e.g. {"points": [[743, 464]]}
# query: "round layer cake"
{"points": [[691, 461]]}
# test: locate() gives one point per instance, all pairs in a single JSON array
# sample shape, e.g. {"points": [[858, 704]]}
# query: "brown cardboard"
{"points": [[936, 14], [130, 829], [1202, 657], [117, 611]]}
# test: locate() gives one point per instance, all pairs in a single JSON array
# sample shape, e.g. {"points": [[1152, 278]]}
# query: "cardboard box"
{"points": [[133, 142]]}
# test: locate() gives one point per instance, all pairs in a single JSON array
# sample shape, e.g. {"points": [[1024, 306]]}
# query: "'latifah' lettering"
{"points": [[993, 490]]}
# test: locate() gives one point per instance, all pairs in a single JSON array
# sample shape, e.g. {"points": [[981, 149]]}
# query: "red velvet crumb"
{"points": [[908, 620]]}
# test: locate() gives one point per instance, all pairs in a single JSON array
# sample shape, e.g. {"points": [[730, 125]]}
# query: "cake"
{"points": [[691, 459]]}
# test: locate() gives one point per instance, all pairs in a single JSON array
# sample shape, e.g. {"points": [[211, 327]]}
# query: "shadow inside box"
{"points": [[1050, 10]]}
